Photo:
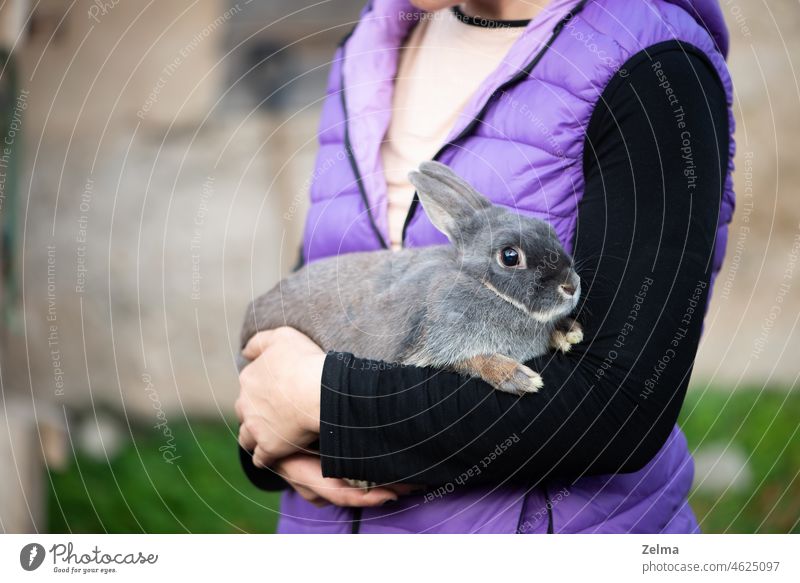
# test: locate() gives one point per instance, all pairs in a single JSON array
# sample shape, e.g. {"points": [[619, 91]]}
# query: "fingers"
{"points": [[268, 447], [375, 497], [248, 432], [304, 474], [238, 407], [346, 495], [404, 489], [246, 439], [254, 434], [266, 338], [262, 459], [258, 344], [311, 496]]}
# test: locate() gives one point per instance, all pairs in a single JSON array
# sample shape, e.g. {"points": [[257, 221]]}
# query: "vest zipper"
{"points": [[470, 127], [549, 505], [355, 524], [351, 158]]}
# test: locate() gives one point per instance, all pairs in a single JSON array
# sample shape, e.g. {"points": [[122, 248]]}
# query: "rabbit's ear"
{"points": [[449, 201]]}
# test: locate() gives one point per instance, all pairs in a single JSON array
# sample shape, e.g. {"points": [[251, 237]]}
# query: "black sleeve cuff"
{"points": [[339, 452]]}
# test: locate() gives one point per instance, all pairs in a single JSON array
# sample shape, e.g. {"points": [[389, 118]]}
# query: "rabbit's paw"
{"points": [[363, 484], [575, 333], [503, 373], [566, 333], [523, 380], [558, 341]]}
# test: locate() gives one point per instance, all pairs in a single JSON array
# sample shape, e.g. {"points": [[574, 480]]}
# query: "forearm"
{"points": [[643, 246], [595, 415]]}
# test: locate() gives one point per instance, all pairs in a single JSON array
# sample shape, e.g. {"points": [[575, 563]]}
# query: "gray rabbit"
{"points": [[498, 296]]}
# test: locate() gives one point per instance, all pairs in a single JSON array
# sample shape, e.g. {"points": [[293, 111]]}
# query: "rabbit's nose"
{"points": [[570, 284], [568, 289]]}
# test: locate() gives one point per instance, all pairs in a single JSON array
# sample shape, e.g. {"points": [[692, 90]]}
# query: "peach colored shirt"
{"points": [[443, 63]]}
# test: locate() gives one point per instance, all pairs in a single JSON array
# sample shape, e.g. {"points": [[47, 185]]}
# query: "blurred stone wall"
{"points": [[158, 196], [164, 185], [167, 148], [751, 334]]}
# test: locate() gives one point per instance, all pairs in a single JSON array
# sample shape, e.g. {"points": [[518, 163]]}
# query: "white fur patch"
{"points": [[538, 316]]}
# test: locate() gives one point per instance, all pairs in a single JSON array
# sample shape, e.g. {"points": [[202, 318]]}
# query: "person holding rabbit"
{"points": [[610, 120]]}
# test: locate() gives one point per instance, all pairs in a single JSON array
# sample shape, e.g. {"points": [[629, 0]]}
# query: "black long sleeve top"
{"points": [[655, 163]]}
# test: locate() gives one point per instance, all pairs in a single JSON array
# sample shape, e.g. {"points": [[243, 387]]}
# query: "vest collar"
{"points": [[371, 56]]}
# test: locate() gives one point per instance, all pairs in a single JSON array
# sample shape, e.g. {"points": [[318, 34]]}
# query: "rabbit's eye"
{"points": [[510, 257]]}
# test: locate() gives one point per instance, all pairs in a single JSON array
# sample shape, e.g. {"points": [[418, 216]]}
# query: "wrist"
{"points": [[313, 388], [280, 467]]}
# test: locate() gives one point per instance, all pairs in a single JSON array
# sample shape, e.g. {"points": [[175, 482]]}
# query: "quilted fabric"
{"points": [[520, 141]]}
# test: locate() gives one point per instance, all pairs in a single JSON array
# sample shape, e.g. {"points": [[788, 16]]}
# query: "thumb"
{"points": [[377, 496], [257, 344]]}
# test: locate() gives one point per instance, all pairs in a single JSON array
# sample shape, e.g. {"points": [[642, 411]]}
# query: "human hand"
{"points": [[279, 396], [304, 474]]}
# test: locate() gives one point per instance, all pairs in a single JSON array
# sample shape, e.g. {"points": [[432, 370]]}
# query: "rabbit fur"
{"points": [[459, 306]]}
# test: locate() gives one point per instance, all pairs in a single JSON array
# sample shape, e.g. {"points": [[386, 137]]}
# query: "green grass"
{"points": [[765, 425], [205, 490]]}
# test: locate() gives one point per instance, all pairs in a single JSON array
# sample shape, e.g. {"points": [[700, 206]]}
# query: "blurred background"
{"points": [[153, 177]]}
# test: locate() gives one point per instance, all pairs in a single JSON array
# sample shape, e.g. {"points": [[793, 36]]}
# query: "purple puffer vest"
{"points": [[519, 140]]}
